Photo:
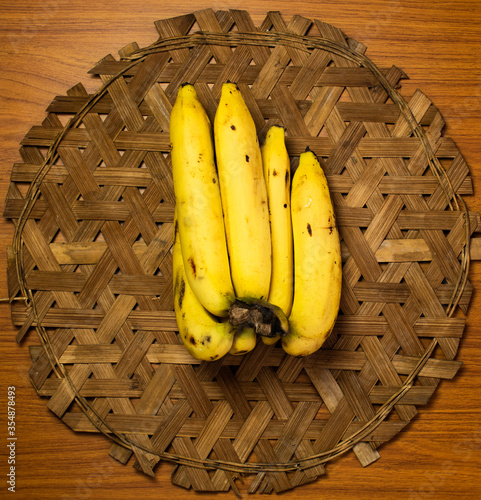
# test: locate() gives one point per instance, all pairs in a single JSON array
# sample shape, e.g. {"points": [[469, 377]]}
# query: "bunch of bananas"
{"points": [[255, 255]]}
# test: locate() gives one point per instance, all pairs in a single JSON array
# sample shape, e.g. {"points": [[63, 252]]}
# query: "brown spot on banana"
{"points": [[181, 293], [176, 230], [309, 229], [193, 266]]}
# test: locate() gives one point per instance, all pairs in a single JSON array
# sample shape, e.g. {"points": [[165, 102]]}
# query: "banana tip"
{"points": [[228, 82]]}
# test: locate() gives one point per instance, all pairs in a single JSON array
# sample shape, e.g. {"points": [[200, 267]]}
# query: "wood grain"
{"points": [[50, 46]]}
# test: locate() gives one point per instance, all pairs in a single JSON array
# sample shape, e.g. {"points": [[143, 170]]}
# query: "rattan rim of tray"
{"points": [[232, 39]]}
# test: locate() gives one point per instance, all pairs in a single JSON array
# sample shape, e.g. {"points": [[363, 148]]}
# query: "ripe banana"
{"points": [[198, 204], [204, 336], [277, 174], [276, 164], [245, 340], [244, 195], [317, 260], [249, 252]]}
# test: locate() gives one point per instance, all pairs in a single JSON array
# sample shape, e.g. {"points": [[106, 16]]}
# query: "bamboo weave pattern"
{"points": [[96, 262]]}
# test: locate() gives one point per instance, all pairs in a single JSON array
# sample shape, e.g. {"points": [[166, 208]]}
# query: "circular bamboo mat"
{"points": [[93, 203]]}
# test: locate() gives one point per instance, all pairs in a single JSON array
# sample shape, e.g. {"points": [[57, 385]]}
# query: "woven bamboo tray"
{"points": [[93, 203]]}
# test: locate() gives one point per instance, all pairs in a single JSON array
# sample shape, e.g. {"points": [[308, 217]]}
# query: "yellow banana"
{"points": [[271, 340], [296, 344], [244, 195], [317, 260], [245, 340], [276, 164], [277, 174], [205, 336], [198, 202]]}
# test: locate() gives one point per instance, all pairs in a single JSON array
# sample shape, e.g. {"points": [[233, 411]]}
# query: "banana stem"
{"points": [[266, 319]]}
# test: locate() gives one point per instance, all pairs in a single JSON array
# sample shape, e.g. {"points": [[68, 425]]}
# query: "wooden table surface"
{"points": [[48, 46]]}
